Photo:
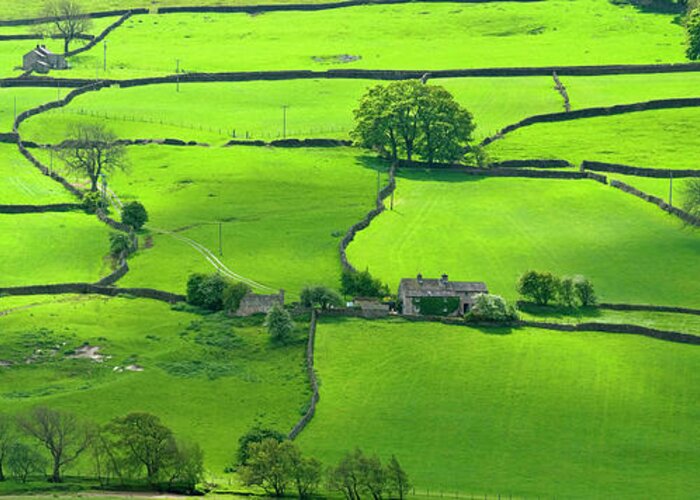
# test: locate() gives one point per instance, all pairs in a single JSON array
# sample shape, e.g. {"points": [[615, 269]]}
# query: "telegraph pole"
{"points": [[177, 72], [670, 188], [15, 109], [105, 56], [221, 248], [284, 121]]}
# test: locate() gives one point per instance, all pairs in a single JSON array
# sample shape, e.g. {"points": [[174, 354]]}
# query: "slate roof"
{"points": [[421, 287]]}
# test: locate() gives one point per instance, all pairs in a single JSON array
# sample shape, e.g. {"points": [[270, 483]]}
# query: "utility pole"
{"points": [[378, 185], [51, 163], [105, 56], [15, 108], [177, 72], [670, 188], [284, 121], [221, 248]]}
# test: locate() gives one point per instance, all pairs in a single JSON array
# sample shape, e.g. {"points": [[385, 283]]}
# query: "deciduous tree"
{"points": [[8, 438], [397, 479], [68, 20], [539, 287], [134, 214], [92, 150], [279, 324], [62, 433], [692, 27]]}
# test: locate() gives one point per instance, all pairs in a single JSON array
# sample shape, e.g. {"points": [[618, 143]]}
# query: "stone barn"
{"points": [[42, 60], [438, 297], [254, 303]]}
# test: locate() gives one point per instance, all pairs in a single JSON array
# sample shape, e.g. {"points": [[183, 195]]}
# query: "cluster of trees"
{"points": [[215, 293], [408, 118], [692, 26], [320, 297], [491, 309], [544, 288], [135, 447], [362, 284], [268, 460]]}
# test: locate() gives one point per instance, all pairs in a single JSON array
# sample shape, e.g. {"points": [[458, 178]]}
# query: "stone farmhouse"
{"points": [[253, 303], [42, 60], [457, 295]]}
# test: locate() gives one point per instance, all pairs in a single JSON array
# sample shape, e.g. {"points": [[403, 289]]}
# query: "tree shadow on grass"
{"points": [[382, 165], [655, 7], [560, 312]]}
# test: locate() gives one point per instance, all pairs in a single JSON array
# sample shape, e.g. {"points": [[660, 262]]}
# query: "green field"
{"points": [[481, 412], [411, 36], [658, 139], [22, 183], [281, 213], [211, 112], [207, 394], [52, 248], [592, 91], [500, 228]]}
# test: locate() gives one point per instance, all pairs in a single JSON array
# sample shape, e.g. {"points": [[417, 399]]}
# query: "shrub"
{"points": [[584, 290], [693, 32], [436, 306], [320, 296], [566, 293], [491, 308], [92, 201], [134, 214], [233, 294], [539, 287], [119, 245], [255, 435], [362, 284], [279, 324], [206, 291]]}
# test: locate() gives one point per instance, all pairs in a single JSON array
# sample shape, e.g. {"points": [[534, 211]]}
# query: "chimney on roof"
{"points": [[443, 279], [419, 278]]}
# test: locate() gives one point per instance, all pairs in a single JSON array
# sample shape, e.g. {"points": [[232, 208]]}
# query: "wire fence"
{"points": [[447, 495], [232, 132]]}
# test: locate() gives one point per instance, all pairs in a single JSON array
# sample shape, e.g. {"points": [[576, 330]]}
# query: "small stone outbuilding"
{"points": [[254, 303], [440, 297], [42, 60]]}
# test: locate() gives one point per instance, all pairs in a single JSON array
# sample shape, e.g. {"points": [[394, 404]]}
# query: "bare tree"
{"points": [[67, 20], [8, 438], [60, 432], [92, 150]]}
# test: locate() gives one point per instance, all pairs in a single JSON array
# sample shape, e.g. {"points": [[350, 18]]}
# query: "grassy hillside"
{"points": [[658, 139], [52, 248], [282, 212], [24, 184], [494, 229], [206, 391], [531, 413], [316, 108], [417, 36], [590, 91]]}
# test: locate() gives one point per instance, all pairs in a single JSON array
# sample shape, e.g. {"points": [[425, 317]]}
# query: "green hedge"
{"points": [[436, 306]]}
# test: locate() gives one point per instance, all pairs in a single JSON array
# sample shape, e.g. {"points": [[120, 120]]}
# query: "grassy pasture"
{"points": [[210, 112], [658, 139], [23, 184], [26, 98], [494, 229], [591, 91], [412, 36], [207, 393], [486, 412], [282, 212], [52, 248]]}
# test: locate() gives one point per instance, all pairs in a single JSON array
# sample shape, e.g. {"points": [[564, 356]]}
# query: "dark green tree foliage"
{"points": [[119, 245], [491, 308], [320, 297], [567, 294], [187, 467], [134, 214], [408, 117], [279, 324], [269, 466], [584, 291], [206, 291], [145, 442], [305, 473], [92, 201], [397, 479], [692, 197], [542, 288], [692, 27], [255, 435], [233, 295], [437, 306], [362, 284]]}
